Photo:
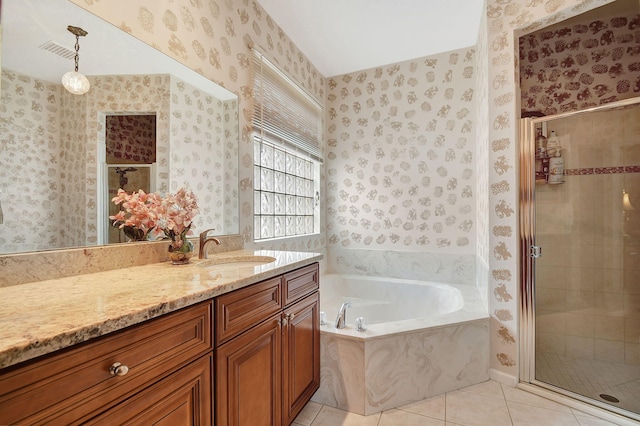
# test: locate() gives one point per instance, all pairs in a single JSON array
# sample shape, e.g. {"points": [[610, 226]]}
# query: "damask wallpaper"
{"points": [[31, 148], [201, 126], [580, 64], [400, 156], [131, 139], [72, 165]]}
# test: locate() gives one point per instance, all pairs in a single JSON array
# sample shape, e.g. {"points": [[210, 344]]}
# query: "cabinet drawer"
{"points": [[242, 309], [182, 398], [300, 283], [69, 386]]}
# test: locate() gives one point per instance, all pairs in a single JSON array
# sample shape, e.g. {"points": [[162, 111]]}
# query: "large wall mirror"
{"points": [[148, 122]]}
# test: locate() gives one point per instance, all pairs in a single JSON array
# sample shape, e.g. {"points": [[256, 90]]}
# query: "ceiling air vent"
{"points": [[58, 49]]}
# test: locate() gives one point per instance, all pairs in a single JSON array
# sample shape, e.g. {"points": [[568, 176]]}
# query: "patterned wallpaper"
{"points": [[482, 252], [131, 139], [31, 147], [212, 38], [199, 159], [231, 164], [72, 165], [400, 156], [504, 17], [581, 64]]}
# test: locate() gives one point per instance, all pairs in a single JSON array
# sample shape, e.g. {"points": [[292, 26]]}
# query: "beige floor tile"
{"points": [[432, 407], [472, 409], [404, 418], [587, 420], [329, 416], [489, 388], [528, 415], [520, 396], [308, 413]]}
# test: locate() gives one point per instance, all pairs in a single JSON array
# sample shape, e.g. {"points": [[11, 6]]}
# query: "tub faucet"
{"points": [[202, 252], [341, 319]]}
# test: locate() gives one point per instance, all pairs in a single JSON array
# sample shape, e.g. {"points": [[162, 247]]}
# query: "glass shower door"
{"points": [[585, 259]]}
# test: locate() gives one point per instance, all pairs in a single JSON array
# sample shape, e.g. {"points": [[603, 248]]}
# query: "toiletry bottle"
{"points": [[556, 168], [541, 144], [553, 144]]}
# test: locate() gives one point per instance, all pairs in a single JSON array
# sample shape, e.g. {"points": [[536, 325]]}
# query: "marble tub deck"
{"points": [[41, 317]]}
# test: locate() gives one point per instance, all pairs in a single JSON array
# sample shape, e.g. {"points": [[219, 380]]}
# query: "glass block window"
{"points": [[284, 192], [287, 132]]}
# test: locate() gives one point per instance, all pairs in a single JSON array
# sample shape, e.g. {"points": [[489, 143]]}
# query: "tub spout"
{"points": [[341, 319]]}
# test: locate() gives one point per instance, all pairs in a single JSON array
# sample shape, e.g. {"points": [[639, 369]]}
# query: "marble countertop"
{"points": [[41, 317]]}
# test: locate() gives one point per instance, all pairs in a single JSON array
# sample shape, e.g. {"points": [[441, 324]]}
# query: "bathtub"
{"points": [[422, 339]]}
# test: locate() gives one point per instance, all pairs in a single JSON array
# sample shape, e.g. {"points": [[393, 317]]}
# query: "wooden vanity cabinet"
{"points": [[164, 377], [268, 368]]}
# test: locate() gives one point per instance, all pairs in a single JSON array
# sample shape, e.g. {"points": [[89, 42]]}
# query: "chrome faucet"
{"points": [[202, 252], [341, 319]]}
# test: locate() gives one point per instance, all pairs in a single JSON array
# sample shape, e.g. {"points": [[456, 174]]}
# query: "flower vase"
{"points": [[180, 254], [135, 234]]}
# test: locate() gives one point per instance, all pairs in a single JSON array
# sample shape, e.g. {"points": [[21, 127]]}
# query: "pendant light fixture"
{"points": [[74, 81]]}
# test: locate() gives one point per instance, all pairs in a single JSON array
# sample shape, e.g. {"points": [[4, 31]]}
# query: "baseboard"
{"points": [[504, 378]]}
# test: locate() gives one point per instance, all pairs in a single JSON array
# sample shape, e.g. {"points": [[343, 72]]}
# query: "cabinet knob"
{"points": [[118, 369], [290, 317]]}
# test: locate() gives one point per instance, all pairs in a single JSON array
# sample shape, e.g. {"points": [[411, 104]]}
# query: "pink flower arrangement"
{"points": [[138, 215], [176, 214], [143, 213]]}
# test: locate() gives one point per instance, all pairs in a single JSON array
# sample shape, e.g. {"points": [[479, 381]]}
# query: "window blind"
{"points": [[284, 112]]}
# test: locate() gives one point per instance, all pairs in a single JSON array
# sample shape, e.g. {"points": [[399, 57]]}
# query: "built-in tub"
{"points": [[422, 339]]}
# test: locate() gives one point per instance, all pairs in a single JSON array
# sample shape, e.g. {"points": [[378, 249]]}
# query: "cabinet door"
{"points": [[301, 355], [182, 398], [248, 377]]}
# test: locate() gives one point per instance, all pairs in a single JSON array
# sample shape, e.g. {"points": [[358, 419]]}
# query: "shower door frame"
{"points": [[527, 216]]}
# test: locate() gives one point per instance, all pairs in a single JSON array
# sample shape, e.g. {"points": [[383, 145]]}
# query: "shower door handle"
{"points": [[536, 252]]}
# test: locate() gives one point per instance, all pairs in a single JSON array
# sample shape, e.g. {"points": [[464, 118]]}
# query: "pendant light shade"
{"points": [[74, 81]]}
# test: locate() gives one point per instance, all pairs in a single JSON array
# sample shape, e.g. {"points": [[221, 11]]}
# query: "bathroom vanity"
{"points": [[228, 340]]}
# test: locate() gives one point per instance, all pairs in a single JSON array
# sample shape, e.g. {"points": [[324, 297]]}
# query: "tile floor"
{"points": [[485, 404], [590, 377]]}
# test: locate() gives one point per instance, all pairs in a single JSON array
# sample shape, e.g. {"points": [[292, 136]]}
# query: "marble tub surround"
{"points": [[24, 268], [387, 373], [439, 267], [422, 339], [41, 317]]}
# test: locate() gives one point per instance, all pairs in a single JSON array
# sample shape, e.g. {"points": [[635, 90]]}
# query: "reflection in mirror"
{"points": [[63, 157]]}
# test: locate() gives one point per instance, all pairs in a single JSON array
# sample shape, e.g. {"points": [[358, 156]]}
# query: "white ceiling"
{"points": [[343, 36], [106, 50]]}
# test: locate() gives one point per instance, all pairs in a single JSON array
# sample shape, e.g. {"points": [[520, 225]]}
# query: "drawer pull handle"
{"points": [[118, 369]]}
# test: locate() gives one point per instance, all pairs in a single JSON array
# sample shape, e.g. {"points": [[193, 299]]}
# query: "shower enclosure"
{"points": [[580, 248]]}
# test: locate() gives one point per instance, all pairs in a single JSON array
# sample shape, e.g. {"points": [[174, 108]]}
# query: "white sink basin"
{"points": [[239, 261]]}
